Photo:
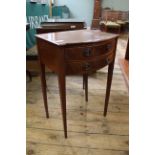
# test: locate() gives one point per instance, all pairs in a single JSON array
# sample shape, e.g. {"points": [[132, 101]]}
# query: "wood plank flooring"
{"points": [[89, 133], [124, 64]]}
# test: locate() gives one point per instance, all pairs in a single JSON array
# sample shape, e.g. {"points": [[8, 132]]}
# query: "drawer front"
{"points": [[104, 49], [80, 53], [86, 53], [86, 67]]}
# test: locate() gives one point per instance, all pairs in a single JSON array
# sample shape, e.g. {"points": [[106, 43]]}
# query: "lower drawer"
{"points": [[86, 67]]}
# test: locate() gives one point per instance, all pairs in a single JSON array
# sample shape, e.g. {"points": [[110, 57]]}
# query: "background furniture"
{"points": [[97, 14], [109, 26], [114, 15], [76, 52], [54, 25], [120, 18], [107, 14]]}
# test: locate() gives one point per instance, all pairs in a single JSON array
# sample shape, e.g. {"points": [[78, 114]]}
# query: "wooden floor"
{"points": [[89, 133], [124, 65]]}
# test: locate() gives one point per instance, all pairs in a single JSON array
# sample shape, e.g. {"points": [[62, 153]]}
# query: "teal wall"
{"points": [[83, 9]]}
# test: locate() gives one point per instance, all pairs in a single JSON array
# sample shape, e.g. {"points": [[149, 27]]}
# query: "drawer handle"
{"points": [[108, 61], [108, 47], [86, 66], [87, 52]]}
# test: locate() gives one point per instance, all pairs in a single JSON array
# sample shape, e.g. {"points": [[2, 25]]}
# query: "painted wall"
{"points": [[80, 9], [122, 5], [83, 9]]}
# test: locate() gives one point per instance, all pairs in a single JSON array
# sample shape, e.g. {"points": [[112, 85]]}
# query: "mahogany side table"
{"points": [[76, 52]]}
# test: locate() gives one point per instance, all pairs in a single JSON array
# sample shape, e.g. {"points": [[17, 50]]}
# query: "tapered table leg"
{"points": [[85, 77], [83, 83], [29, 74], [43, 84], [62, 89], [109, 81]]}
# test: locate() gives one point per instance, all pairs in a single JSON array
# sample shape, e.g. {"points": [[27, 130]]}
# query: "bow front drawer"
{"points": [[87, 53], [104, 48], [80, 53], [86, 67]]}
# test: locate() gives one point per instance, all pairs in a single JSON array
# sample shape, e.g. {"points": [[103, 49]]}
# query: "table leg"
{"points": [[85, 77], [62, 89], [43, 84], [29, 74], [109, 81], [83, 83]]}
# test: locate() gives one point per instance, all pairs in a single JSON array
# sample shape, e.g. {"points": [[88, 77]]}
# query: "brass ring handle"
{"points": [[108, 46], [87, 52], [86, 66], [108, 61]]}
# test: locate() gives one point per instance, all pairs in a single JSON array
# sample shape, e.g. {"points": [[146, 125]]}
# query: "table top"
{"points": [[76, 37]]}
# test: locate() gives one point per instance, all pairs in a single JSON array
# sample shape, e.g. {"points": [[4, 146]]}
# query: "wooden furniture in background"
{"points": [[97, 14], [120, 20], [76, 52], [109, 26], [55, 25], [114, 15]]}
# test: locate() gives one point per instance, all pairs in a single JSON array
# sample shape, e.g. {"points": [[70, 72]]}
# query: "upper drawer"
{"points": [[78, 53], [104, 48], [86, 53]]}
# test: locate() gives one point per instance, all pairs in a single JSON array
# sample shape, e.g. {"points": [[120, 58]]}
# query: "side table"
{"points": [[76, 52]]}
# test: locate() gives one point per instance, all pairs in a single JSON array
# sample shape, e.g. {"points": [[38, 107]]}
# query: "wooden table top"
{"points": [[76, 37]]}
